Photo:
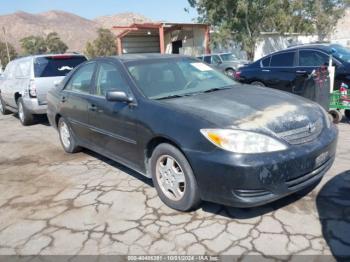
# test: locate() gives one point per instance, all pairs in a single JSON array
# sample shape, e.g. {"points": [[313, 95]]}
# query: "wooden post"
{"points": [[207, 39], [161, 39], [119, 46]]}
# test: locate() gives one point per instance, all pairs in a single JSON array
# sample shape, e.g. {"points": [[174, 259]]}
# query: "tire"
{"points": [[25, 117], [67, 138], [337, 116], [257, 83], [347, 113], [165, 172], [230, 72], [3, 109]]}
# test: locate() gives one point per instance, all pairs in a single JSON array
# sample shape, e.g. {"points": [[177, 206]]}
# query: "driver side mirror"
{"points": [[119, 96]]}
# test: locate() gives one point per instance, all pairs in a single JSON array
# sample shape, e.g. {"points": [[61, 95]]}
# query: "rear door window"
{"points": [[81, 80], [312, 58], [52, 66], [282, 60]]}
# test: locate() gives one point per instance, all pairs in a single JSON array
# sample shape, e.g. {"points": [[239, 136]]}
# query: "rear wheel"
{"points": [[3, 109], [24, 116], [257, 83], [173, 178], [67, 138], [337, 115]]}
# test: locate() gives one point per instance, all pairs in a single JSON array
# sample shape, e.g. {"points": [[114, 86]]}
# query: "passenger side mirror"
{"points": [[118, 96]]}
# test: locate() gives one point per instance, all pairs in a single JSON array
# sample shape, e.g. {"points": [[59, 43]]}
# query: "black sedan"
{"points": [[197, 133]]}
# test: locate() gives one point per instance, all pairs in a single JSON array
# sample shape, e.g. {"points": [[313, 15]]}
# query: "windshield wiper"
{"points": [[169, 97], [216, 89]]}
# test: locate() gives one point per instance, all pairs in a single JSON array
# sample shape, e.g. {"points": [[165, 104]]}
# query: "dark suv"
{"points": [[287, 69]]}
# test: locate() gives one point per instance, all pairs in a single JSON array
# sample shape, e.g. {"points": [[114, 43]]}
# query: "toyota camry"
{"points": [[196, 132]]}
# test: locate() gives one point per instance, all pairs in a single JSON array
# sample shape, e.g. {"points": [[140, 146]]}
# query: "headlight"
{"points": [[243, 142]]}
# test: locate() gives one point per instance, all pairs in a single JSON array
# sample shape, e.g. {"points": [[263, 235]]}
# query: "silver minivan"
{"points": [[27, 80]]}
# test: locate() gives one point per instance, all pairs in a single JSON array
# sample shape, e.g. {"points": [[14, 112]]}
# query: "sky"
{"points": [[159, 10]]}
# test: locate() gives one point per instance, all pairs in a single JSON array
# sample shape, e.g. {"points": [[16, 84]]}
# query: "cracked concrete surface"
{"points": [[55, 203]]}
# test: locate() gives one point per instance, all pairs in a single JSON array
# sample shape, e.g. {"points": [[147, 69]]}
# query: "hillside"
{"points": [[74, 30]]}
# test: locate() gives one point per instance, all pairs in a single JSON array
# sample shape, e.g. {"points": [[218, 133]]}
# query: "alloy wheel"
{"points": [[65, 134], [170, 177]]}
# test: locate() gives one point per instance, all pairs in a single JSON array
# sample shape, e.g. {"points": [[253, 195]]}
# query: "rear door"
{"points": [[281, 73], [22, 75], [50, 70], [113, 123], [74, 101]]}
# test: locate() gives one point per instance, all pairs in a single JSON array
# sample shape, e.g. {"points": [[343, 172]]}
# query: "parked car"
{"points": [[26, 81], [285, 69], [196, 132], [226, 62]]}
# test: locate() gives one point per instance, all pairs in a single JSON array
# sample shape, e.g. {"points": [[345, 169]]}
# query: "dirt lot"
{"points": [[55, 203]]}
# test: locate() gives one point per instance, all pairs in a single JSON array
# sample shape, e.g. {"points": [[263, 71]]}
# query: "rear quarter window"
{"points": [[52, 66]]}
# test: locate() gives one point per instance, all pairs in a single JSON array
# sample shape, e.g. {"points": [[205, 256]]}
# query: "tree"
{"points": [[103, 45], [54, 44], [33, 45], [325, 15], [3, 53], [243, 21]]}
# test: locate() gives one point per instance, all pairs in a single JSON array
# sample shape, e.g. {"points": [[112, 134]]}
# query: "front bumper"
{"points": [[253, 180], [33, 106]]}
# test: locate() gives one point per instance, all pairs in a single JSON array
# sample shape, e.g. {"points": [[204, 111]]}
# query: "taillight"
{"points": [[237, 75], [32, 88]]}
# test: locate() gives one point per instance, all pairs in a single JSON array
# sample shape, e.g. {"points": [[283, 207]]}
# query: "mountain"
{"points": [[74, 30]]}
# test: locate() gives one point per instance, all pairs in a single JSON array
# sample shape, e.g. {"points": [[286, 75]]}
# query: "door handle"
{"points": [[266, 70], [301, 72], [93, 108]]}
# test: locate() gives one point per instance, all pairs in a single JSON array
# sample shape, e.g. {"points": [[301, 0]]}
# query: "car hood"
{"points": [[250, 108]]}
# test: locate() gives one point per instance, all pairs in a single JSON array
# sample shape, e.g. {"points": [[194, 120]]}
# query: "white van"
{"points": [[27, 80]]}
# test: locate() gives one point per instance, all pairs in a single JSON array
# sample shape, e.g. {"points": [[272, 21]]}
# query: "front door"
{"points": [[113, 123], [281, 73]]}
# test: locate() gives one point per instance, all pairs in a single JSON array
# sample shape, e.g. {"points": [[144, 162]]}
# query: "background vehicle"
{"points": [[286, 69], [196, 132], [226, 62], [27, 80]]}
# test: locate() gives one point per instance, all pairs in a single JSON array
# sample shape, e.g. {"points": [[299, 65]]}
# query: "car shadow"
{"points": [[333, 205], [119, 166], [226, 211], [247, 213]]}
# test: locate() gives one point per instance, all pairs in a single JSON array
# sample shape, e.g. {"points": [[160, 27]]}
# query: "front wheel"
{"points": [[67, 138], [173, 178], [25, 117], [230, 72]]}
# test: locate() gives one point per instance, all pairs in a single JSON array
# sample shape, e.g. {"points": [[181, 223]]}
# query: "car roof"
{"points": [[140, 57], [324, 47], [45, 55]]}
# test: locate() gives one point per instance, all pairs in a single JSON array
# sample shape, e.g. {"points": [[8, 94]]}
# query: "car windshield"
{"points": [[228, 57], [169, 78], [341, 52], [59, 65]]}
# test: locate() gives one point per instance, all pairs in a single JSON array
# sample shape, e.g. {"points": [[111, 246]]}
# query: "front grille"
{"points": [[304, 134]]}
